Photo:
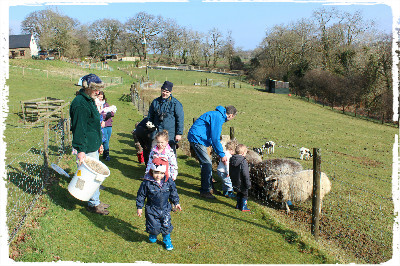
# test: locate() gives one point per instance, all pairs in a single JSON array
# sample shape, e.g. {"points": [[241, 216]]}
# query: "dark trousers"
{"points": [[243, 194]]}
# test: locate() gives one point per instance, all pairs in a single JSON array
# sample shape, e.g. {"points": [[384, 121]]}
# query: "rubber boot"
{"points": [[244, 206], [167, 242], [238, 203], [106, 155], [140, 157], [152, 238]]}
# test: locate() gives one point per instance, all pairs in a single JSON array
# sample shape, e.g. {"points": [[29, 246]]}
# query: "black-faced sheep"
{"points": [[305, 154], [295, 187], [259, 151]]}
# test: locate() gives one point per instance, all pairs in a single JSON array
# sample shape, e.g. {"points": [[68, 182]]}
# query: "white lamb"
{"points": [[269, 146], [295, 187], [111, 108], [305, 154]]}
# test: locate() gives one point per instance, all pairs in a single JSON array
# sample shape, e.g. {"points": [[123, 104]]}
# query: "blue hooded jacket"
{"points": [[206, 130]]}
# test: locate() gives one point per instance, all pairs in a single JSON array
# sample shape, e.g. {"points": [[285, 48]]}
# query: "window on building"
{"points": [[22, 52]]}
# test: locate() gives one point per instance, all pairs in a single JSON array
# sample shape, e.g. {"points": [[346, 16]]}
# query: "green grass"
{"points": [[354, 152]]}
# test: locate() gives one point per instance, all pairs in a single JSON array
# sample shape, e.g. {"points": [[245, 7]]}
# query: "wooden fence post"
{"points": [[46, 149], [232, 133], [316, 200]]}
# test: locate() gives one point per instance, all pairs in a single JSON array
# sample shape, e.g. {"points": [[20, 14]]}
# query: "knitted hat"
{"points": [[167, 86], [91, 81], [161, 165]]}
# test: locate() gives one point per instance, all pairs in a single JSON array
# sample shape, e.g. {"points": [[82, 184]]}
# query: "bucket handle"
{"points": [[100, 178]]}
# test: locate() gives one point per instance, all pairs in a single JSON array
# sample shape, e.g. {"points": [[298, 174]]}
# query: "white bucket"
{"points": [[88, 178]]}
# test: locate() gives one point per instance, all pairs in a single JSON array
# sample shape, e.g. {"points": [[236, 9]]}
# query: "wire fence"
{"points": [[28, 169], [73, 76], [356, 215]]}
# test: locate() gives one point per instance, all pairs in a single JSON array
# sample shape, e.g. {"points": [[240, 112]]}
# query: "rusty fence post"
{"points": [[316, 200]]}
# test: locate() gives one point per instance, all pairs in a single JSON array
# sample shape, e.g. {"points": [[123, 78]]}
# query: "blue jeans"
{"points": [[226, 181], [205, 165], [107, 135], [95, 199]]}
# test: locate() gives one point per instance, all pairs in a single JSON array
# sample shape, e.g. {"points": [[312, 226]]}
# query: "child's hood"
{"points": [[237, 159]]}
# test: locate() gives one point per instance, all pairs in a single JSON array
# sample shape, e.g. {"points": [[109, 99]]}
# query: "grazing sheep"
{"points": [[305, 154], [296, 187], [253, 157], [259, 151], [269, 146], [270, 168]]}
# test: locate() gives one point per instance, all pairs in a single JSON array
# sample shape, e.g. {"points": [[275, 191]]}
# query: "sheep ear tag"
{"points": [[79, 173]]}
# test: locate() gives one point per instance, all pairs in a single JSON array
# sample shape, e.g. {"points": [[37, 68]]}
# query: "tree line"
{"points": [[336, 57], [140, 34]]}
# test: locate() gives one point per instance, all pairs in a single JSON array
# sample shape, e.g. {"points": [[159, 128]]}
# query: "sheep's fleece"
{"points": [[253, 157], [272, 167], [296, 187]]}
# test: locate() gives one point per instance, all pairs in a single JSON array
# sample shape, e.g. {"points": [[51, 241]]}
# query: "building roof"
{"points": [[20, 41]]}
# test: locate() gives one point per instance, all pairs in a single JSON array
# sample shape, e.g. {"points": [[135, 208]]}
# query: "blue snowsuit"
{"points": [[167, 114], [158, 208]]}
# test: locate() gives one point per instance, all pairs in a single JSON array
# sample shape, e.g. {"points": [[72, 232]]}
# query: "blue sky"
{"points": [[248, 20]]}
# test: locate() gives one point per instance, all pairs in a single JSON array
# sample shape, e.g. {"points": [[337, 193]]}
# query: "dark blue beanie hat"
{"points": [[167, 86], [92, 81]]}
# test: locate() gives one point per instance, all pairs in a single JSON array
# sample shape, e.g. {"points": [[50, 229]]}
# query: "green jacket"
{"points": [[85, 123]]}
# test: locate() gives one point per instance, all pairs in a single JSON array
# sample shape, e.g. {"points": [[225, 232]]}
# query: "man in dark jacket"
{"points": [[206, 132], [240, 177], [166, 112], [86, 130]]}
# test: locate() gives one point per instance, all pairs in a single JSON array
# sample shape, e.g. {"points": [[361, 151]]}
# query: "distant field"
{"points": [[356, 154]]}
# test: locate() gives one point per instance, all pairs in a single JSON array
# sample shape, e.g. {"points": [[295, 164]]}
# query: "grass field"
{"points": [[356, 155]]}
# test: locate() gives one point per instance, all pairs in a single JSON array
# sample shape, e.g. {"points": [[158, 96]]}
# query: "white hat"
{"points": [[159, 167]]}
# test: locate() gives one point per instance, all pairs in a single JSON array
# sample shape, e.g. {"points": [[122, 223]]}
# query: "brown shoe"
{"points": [[97, 209], [104, 205], [207, 195]]}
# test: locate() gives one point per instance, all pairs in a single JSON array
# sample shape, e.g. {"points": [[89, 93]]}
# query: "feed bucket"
{"points": [[88, 178]]}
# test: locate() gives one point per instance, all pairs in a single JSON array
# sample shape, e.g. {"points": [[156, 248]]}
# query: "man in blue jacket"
{"points": [[206, 132], [166, 112]]}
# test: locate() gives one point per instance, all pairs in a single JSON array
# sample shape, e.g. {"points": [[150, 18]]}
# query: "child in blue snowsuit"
{"points": [[158, 189]]}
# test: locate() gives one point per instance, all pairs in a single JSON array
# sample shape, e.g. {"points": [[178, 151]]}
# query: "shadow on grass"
{"points": [[119, 192], [127, 170], [119, 227], [288, 235]]}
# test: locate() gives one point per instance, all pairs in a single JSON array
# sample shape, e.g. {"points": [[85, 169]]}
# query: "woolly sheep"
{"points": [[296, 187], [253, 157], [270, 168], [305, 153]]}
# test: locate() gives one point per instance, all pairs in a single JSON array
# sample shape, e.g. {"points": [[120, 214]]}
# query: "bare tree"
{"points": [[143, 28], [195, 46], [216, 44], [52, 29], [107, 32]]}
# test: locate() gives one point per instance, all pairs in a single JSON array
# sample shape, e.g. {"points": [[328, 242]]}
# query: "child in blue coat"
{"points": [[158, 188]]}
